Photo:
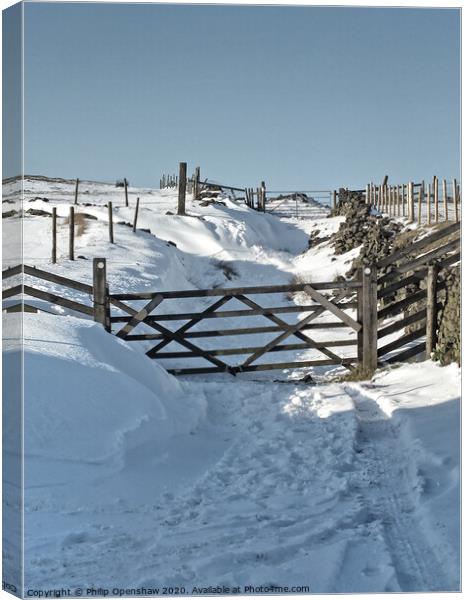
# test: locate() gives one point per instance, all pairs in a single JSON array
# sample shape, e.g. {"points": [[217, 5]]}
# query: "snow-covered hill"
{"points": [[136, 479]]}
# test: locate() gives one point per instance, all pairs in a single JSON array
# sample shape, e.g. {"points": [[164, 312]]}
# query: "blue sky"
{"points": [[302, 97]]}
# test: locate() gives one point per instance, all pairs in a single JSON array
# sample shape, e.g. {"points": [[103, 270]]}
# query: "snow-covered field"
{"points": [[136, 479]]}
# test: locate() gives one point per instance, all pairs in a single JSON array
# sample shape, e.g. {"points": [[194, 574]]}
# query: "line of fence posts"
{"points": [[405, 200], [260, 194], [168, 181], [71, 219]]}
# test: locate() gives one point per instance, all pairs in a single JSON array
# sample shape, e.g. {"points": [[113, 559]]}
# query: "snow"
{"points": [[76, 373], [136, 479]]}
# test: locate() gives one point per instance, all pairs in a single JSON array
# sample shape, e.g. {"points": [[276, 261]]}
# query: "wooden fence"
{"points": [[192, 184], [425, 203], [393, 312], [20, 290], [408, 289]]}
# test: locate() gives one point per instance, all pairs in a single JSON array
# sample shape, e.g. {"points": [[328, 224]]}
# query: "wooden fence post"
{"points": [[71, 247], [436, 198], [136, 215], [100, 297], [456, 200], [76, 191], [411, 202], [420, 200], [125, 183], [445, 200], [428, 203], [334, 200], [54, 234], [182, 189], [369, 318], [196, 183], [431, 312], [111, 223], [263, 196]]}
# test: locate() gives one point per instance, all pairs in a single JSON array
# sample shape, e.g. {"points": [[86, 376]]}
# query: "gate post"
{"points": [[431, 312], [369, 315], [100, 293], [360, 320]]}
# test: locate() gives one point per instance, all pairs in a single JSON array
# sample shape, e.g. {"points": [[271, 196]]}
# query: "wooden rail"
{"points": [[380, 302], [418, 309]]}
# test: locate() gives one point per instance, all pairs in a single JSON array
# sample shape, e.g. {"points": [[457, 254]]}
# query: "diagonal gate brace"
{"points": [[153, 351], [327, 304], [177, 338], [139, 316], [288, 332], [297, 334]]}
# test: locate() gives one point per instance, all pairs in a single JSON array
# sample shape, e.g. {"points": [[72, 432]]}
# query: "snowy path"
{"points": [[276, 501], [389, 488], [144, 480], [286, 485]]}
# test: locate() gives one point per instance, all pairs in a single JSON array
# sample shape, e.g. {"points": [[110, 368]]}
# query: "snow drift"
{"points": [[91, 397]]}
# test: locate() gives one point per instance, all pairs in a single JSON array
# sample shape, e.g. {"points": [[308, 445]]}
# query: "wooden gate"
{"points": [[388, 314], [324, 300]]}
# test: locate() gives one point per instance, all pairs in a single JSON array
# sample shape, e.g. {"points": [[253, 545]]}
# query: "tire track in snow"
{"points": [[384, 483]]}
